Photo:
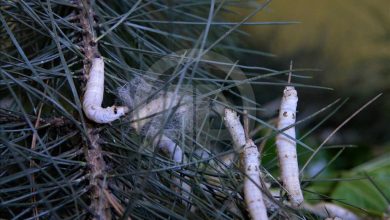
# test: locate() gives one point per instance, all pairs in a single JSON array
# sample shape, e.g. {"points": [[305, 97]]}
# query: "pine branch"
{"points": [[101, 198], [52, 122]]}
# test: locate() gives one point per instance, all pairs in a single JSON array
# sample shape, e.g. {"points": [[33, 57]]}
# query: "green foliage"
{"points": [[367, 187]]}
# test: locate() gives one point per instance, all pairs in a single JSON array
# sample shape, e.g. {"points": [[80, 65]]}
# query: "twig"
{"points": [[100, 202], [100, 205], [245, 119], [290, 73], [55, 122], [32, 163], [114, 203]]}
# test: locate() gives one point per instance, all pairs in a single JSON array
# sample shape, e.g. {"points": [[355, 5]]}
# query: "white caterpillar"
{"points": [[164, 105], [329, 210], [252, 192], [160, 119], [93, 96], [286, 146], [235, 128]]}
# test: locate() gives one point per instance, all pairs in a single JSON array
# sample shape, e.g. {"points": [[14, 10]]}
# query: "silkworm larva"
{"points": [[286, 146], [252, 193], [327, 210], [158, 106], [235, 128], [93, 96]]}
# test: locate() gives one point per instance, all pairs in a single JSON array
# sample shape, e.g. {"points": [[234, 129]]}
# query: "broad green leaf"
{"points": [[371, 192]]}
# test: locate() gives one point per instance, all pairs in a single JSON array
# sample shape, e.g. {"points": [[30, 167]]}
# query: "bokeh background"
{"points": [[349, 41]]}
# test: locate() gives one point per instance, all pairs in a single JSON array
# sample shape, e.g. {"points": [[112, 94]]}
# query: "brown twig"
{"points": [[32, 163], [100, 205], [115, 203], [290, 73], [100, 202], [246, 124], [101, 198], [55, 122]]}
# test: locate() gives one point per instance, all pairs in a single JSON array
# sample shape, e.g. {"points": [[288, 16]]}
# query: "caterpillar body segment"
{"points": [[252, 192], [235, 128], [286, 146], [93, 97]]}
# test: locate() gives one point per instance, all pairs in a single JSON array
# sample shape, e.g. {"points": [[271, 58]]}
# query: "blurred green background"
{"points": [[349, 41]]}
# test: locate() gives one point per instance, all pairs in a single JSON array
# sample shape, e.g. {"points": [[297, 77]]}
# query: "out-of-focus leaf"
{"points": [[371, 193]]}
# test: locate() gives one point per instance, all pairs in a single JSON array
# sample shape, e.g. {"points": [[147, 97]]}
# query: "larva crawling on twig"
{"points": [[252, 192], [93, 96], [286, 145]]}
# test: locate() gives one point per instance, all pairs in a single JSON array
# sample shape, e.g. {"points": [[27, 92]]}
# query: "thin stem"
{"points": [[32, 163], [100, 202], [246, 124], [290, 73]]}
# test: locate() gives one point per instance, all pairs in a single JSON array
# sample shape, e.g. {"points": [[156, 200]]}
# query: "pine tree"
{"points": [[59, 163]]}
